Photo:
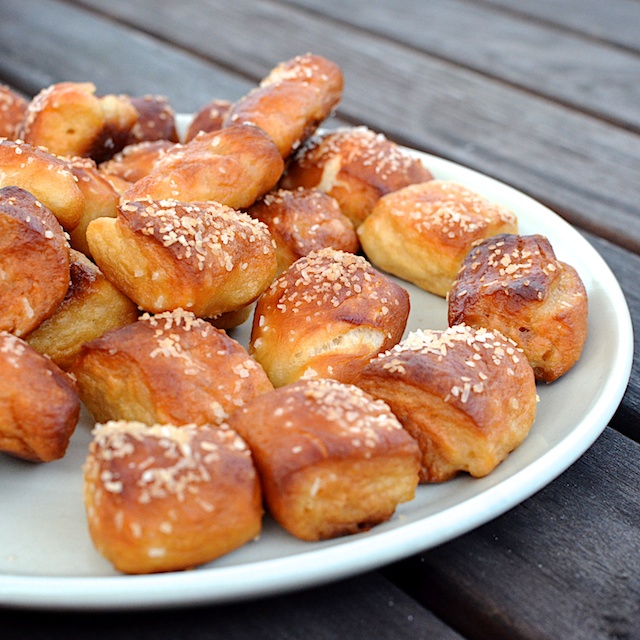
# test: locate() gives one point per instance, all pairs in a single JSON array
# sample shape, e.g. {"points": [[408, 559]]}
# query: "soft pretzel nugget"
{"points": [[13, 108], [515, 284], [166, 498], [39, 406], [423, 232], [332, 460], [34, 262], [292, 100], [356, 166], [204, 257], [45, 176], [468, 396], [233, 166], [302, 221], [68, 119], [326, 316], [168, 368]]}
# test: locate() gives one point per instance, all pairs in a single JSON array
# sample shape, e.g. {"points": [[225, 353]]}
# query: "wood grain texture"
{"points": [[541, 147], [566, 67], [563, 564], [614, 21], [368, 606]]}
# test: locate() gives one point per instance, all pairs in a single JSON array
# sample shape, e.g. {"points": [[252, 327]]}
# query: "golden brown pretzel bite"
{"points": [[423, 232], [233, 166], [165, 254], [467, 395], [515, 284], [135, 161], [68, 119], [39, 406], [45, 176], [167, 498], [291, 101], [91, 307], [332, 460], [326, 316], [208, 118], [13, 108], [34, 262], [302, 221], [169, 368], [356, 166], [156, 120]]}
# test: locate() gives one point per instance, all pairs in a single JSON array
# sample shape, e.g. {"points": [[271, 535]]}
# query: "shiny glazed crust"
{"points": [[332, 461], [291, 101], [164, 255], [423, 232], [515, 284], [233, 166], [39, 406], [356, 166], [135, 161], [169, 368], [209, 118], [326, 316], [13, 108], [91, 307], [467, 395], [45, 176], [302, 221], [34, 262], [100, 199], [165, 498], [156, 120]]}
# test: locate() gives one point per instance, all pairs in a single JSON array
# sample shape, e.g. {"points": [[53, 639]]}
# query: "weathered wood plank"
{"points": [[614, 21], [549, 568], [545, 149], [368, 606], [47, 41], [588, 75]]}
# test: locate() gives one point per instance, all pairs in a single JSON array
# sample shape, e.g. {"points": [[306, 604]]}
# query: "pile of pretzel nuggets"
{"points": [[129, 254]]}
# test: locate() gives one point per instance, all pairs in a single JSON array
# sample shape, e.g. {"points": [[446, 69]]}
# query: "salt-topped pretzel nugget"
{"points": [[210, 117], [292, 100], [68, 119], [356, 166], [156, 120], [34, 262], [302, 221], [515, 284], [135, 161], [12, 111], [423, 232], [326, 316], [91, 307], [468, 396], [165, 255], [332, 460], [169, 368], [233, 166], [39, 406], [45, 176], [166, 498]]}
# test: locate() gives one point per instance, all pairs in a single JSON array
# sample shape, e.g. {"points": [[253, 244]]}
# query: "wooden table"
{"points": [[543, 95]]}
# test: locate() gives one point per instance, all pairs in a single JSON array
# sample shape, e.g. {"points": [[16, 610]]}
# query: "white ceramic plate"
{"points": [[47, 559]]}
